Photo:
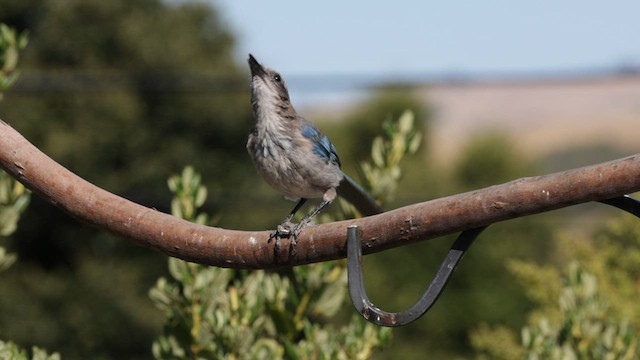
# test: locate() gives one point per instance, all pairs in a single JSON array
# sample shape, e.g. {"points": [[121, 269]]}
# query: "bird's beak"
{"points": [[256, 68]]}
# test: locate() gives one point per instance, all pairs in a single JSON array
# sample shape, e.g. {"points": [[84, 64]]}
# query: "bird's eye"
{"points": [[277, 77]]}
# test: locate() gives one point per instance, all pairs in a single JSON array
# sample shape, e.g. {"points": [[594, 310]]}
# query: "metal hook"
{"points": [[380, 317], [626, 203]]}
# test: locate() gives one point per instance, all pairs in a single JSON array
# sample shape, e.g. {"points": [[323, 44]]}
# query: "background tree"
{"points": [[14, 198], [124, 94], [587, 309]]}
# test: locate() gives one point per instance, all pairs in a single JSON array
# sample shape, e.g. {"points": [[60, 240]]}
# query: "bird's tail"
{"points": [[355, 194]]}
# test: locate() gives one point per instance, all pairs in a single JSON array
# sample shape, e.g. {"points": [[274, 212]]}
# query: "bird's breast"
{"points": [[290, 169]]}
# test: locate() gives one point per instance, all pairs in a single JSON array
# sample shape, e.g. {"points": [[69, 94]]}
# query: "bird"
{"points": [[293, 156]]}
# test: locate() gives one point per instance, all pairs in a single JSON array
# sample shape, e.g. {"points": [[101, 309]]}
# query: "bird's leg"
{"points": [[306, 219], [284, 229], [327, 198], [287, 221]]}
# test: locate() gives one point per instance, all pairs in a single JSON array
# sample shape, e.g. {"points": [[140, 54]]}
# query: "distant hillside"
{"points": [[544, 117]]}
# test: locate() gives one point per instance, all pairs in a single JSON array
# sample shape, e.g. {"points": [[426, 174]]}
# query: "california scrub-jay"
{"points": [[293, 156]]}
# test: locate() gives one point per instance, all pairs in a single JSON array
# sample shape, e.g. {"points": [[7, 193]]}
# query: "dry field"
{"points": [[542, 116]]}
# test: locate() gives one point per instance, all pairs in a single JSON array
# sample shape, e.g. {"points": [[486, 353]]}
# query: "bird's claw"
{"points": [[287, 230], [284, 229]]}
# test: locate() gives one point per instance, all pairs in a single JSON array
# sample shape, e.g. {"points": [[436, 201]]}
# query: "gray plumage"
{"points": [[292, 155]]}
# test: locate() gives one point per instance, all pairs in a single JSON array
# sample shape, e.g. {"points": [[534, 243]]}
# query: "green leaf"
{"points": [[377, 152], [201, 196], [405, 122], [6, 259]]}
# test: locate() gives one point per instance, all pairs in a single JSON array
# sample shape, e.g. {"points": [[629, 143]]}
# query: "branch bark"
{"points": [[250, 249]]}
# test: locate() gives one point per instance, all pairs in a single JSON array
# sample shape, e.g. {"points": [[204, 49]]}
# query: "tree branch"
{"points": [[250, 249]]}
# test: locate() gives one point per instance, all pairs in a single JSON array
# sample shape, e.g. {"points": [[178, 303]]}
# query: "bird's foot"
{"points": [[283, 231], [297, 230], [287, 230]]}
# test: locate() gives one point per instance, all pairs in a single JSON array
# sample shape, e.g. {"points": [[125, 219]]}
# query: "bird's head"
{"points": [[269, 94]]}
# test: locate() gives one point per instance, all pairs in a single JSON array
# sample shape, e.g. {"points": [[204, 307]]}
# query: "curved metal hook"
{"points": [[626, 203], [380, 317]]}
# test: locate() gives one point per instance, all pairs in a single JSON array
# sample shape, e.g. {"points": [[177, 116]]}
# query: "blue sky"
{"points": [[400, 36], [413, 39]]}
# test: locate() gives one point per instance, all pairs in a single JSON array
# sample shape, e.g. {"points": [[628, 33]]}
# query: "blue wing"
{"points": [[321, 144]]}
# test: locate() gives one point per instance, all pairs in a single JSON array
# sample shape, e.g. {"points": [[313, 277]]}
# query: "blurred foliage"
{"points": [[188, 196], [10, 45], [586, 332], [117, 92], [14, 198], [124, 93], [98, 311], [383, 172], [363, 122], [489, 159], [6, 259], [10, 351], [227, 314], [588, 310], [582, 155]]}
